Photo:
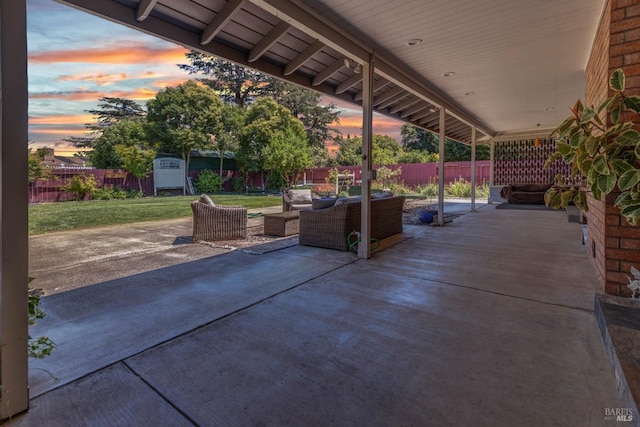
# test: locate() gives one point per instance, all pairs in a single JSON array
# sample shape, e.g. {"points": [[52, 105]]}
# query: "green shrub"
{"points": [[430, 190], [208, 182], [458, 188], [387, 178], [109, 193], [237, 185], [80, 186]]}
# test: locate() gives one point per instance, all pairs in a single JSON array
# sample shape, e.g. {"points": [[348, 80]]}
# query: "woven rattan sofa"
{"points": [[329, 228], [211, 222]]}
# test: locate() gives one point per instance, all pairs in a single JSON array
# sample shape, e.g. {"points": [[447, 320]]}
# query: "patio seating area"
{"points": [[434, 330]]}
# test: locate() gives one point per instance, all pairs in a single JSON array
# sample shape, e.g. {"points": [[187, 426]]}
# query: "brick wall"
{"points": [[615, 245], [596, 91]]}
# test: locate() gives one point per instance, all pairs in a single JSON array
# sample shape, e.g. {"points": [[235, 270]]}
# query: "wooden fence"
{"points": [[413, 174]]}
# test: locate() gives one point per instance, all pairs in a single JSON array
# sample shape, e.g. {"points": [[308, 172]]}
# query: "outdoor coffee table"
{"points": [[282, 224]]}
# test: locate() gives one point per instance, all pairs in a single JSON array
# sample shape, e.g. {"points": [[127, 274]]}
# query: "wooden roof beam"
{"points": [[411, 111], [144, 9], [269, 40], [303, 57], [384, 97], [404, 105], [323, 75], [349, 83], [222, 18]]}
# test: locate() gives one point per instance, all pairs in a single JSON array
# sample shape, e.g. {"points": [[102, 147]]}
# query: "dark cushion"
{"points": [[322, 203], [530, 187]]}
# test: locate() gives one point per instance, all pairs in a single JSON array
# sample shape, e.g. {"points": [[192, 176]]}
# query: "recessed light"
{"points": [[414, 42], [448, 74], [470, 93], [548, 109]]}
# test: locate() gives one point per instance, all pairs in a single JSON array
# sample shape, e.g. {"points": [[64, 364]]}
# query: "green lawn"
{"points": [[49, 217]]}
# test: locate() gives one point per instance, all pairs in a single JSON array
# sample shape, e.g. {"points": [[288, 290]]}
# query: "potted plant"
{"points": [[605, 151]]}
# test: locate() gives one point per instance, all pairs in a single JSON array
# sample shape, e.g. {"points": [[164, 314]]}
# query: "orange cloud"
{"points": [[61, 119], [134, 54], [70, 96], [64, 132], [169, 83], [140, 94], [99, 79]]}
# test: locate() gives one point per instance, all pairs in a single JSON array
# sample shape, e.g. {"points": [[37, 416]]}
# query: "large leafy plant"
{"points": [[604, 150]]}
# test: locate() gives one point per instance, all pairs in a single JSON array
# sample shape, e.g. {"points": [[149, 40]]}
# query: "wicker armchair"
{"points": [[218, 222], [329, 228]]}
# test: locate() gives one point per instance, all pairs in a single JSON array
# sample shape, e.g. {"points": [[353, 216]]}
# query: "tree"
{"points": [[385, 151], [415, 138], [266, 121], [125, 133], [136, 161], [349, 151], [37, 168], [304, 104], [235, 84], [184, 118], [287, 155], [228, 137], [110, 111]]}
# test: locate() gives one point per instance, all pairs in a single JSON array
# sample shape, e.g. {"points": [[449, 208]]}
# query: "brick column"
{"points": [[614, 245]]}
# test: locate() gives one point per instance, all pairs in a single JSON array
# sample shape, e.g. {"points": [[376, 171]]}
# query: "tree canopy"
{"points": [[415, 138], [267, 122], [184, 118], [126, 133], [235, 84]]}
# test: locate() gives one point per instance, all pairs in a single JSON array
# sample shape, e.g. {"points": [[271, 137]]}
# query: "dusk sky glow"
{"points": [[76, 58]]}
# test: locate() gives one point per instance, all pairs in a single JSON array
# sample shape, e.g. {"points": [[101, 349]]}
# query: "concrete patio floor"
{"points": [[487, 321]]}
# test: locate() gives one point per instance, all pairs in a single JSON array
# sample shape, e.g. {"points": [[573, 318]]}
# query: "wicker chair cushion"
{"points": [[206, 200], [300, 196]]}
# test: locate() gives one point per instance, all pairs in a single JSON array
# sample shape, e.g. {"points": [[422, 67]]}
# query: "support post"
{"points": [[14, 267], [364, 248], [473, 169], [441, 168]]}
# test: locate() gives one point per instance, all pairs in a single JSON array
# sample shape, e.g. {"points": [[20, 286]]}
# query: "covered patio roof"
{"points": [[502, 66]]}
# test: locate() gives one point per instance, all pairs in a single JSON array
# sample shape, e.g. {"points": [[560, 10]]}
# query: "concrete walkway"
{"points": [[487, 321]]}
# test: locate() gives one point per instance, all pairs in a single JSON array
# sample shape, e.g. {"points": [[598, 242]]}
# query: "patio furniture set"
{"points": [[324, 223]]}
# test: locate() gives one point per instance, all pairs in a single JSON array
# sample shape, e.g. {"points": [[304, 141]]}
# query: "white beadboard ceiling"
{"points": [[517, 63]]}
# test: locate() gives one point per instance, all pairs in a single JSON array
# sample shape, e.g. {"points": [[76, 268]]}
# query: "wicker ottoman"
{"points": [[282, 224]]}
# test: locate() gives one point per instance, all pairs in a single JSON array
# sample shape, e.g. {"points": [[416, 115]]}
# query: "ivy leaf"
{"points": [[620, 166], [565, 198], [606, 183], [577, 108], [606, 104], [580, 200], [616, 82], [628, 138], [563, 148], [600, 165], [576, 139], [615, 114], [562, 130], [549, 195], [587, 115], [631, 211], [633, 103], [629, 179]]}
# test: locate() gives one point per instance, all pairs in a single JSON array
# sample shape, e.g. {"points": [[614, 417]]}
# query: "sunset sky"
{"points": [[76, 58]]}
